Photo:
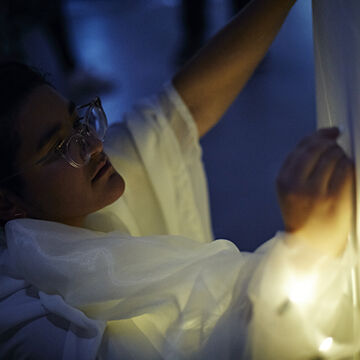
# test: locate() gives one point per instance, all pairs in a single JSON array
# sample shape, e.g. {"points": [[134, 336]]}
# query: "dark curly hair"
{"points": [[17, 81]]}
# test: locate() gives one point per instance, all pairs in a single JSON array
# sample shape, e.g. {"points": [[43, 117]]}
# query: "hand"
{"points": [[315, 192]]}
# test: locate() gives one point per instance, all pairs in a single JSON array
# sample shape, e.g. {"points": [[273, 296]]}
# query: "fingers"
{"points": [[305, 157], [323, 170], [315, 192], [330, 133], [342, 177], [300, 164], [325, 133]]}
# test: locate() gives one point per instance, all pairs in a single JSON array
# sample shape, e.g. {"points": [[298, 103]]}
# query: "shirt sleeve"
{"points": [[156, 149]]}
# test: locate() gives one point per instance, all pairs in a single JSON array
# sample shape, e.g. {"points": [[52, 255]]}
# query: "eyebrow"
{"points": [[50, 133]]}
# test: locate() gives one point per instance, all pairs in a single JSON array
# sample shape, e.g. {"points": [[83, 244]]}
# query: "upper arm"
{"points": [[197, 104]]}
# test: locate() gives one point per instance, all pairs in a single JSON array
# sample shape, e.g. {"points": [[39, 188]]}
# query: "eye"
{"points": [[55, 149], [78, 122], [53, 154]]}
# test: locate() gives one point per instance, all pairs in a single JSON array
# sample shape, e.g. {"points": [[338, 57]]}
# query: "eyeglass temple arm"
{"points": [[95, 101]]}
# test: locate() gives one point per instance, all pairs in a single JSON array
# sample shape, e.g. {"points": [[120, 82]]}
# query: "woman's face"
{"points": [[55, 190]]}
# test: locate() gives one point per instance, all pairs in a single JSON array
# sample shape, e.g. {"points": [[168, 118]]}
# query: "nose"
{"points": [[95, 145]]}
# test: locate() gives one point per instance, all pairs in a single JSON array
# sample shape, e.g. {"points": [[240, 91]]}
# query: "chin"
{"points": [[115, 188]]}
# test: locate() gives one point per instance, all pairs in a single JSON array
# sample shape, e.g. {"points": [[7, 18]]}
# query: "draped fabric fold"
{"points": [[170, 297], [162, 295], [337, 57]]}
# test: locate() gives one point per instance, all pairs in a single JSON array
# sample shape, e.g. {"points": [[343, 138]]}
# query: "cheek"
{"points": [[59, 192]]}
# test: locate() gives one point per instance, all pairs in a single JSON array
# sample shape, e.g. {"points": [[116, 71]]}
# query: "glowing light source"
{"points": [[326, 344], [301, 291]]}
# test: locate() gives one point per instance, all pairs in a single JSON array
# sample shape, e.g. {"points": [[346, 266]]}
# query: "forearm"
{"points": [[211, 81]]}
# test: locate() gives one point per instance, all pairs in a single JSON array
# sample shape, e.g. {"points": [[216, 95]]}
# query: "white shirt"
{"points": [[156, 149]]}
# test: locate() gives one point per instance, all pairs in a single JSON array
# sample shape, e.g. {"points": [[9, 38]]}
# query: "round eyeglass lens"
{"points": [[96, 119], [77, 150]]}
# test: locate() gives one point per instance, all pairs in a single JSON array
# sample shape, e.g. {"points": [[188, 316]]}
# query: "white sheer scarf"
{"points": [[169, 297], [161, 296]]}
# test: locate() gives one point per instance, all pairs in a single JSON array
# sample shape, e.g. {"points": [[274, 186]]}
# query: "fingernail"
{"points": [[332, 132]]}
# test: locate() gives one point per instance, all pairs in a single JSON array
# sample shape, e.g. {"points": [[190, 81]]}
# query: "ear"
{"points": [[9, 208]]}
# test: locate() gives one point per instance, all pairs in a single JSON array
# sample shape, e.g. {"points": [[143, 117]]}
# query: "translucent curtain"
{"points": [[337, 61]]}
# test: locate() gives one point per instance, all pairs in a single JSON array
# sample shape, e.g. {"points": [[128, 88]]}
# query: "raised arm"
{"points": [[210, 82]]}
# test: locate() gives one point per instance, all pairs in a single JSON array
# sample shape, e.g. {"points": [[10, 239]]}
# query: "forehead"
{"points": [[43, 108]]}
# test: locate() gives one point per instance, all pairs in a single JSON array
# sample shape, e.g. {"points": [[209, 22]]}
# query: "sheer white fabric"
{"points": [[316, 329], [337, 55], [160, 295], [166, 297], [337, 49]]}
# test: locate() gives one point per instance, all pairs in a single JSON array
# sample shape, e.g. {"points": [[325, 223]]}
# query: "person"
{"points": [[93, 268], [193, 19]]}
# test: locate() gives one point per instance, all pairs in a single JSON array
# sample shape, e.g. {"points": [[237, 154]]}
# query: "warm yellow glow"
{"points": [[326, 344], [301, 291]]}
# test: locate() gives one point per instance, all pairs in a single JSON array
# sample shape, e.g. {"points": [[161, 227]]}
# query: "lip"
{"points": [[101, 169]]}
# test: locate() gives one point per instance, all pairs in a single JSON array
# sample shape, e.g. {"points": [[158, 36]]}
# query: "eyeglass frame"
{"points": [[84, 132]]}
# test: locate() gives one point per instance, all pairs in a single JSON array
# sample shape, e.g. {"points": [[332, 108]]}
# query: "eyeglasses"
{"points": [[76, 148]]}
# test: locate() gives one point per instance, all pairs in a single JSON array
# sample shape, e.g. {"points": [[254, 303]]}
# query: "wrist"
{"points": [[319, 241]]}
